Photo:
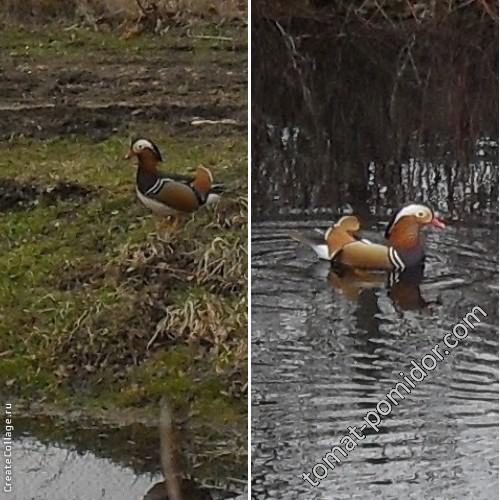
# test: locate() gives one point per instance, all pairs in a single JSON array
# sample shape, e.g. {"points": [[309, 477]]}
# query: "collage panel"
{"points": [[374, 250]]}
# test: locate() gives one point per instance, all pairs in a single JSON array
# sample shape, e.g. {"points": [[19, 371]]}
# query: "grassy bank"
{"points": [[96, 304]]}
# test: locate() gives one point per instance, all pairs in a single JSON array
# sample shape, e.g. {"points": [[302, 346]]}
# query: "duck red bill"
{"points": [[438, 223]]}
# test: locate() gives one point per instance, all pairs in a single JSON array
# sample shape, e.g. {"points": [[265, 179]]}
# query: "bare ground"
{"points": [[55, 87]]}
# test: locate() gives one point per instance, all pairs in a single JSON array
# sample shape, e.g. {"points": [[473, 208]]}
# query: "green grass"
{"points": [[203, 45], [85, 286]]}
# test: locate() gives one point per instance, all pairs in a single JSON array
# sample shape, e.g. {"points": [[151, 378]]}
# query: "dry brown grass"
{"points": [[189, 290], [112, 13]]}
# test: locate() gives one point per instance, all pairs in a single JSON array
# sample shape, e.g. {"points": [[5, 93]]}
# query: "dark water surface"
{"points": [[326, 349]]}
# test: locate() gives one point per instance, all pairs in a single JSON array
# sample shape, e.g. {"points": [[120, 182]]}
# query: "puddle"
{"points": [[57, 460], [45, 471]]}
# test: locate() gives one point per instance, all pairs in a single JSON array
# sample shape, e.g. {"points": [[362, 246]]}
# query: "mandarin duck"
{"points": [[168, 194], [405, 249]]}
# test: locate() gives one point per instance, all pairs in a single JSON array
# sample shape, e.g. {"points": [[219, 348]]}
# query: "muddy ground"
{"points": [[76, 83]]}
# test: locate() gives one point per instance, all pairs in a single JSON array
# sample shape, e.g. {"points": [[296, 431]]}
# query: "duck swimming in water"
{"points": [[404, 248]]}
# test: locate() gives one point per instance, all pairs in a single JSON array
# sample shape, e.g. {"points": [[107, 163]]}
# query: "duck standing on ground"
{"points": [[167, 194]]}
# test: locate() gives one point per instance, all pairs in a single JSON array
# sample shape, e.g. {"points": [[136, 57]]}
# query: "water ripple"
{"points": [[322, 359]]}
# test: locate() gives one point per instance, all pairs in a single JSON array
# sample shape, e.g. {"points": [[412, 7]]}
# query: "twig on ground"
{"points": [[211, 37]]}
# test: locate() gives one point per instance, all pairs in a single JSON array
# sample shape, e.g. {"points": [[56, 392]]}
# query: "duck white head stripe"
{"points": [[413, 209], [141, 144]]}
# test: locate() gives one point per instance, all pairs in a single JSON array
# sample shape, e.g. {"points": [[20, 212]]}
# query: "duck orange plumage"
{"points": [[406, 244]]}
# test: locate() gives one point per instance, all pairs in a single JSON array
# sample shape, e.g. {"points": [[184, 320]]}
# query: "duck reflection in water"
{"points": [[403, 287]]}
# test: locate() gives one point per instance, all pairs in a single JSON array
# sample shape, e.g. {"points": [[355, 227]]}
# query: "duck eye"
{"points": [[420, 215]]}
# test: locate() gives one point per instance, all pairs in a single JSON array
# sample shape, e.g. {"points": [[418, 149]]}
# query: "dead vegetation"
{"points": [[376, 13], [131, 17], [432, 94], [158, 310], [426, 50]]}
